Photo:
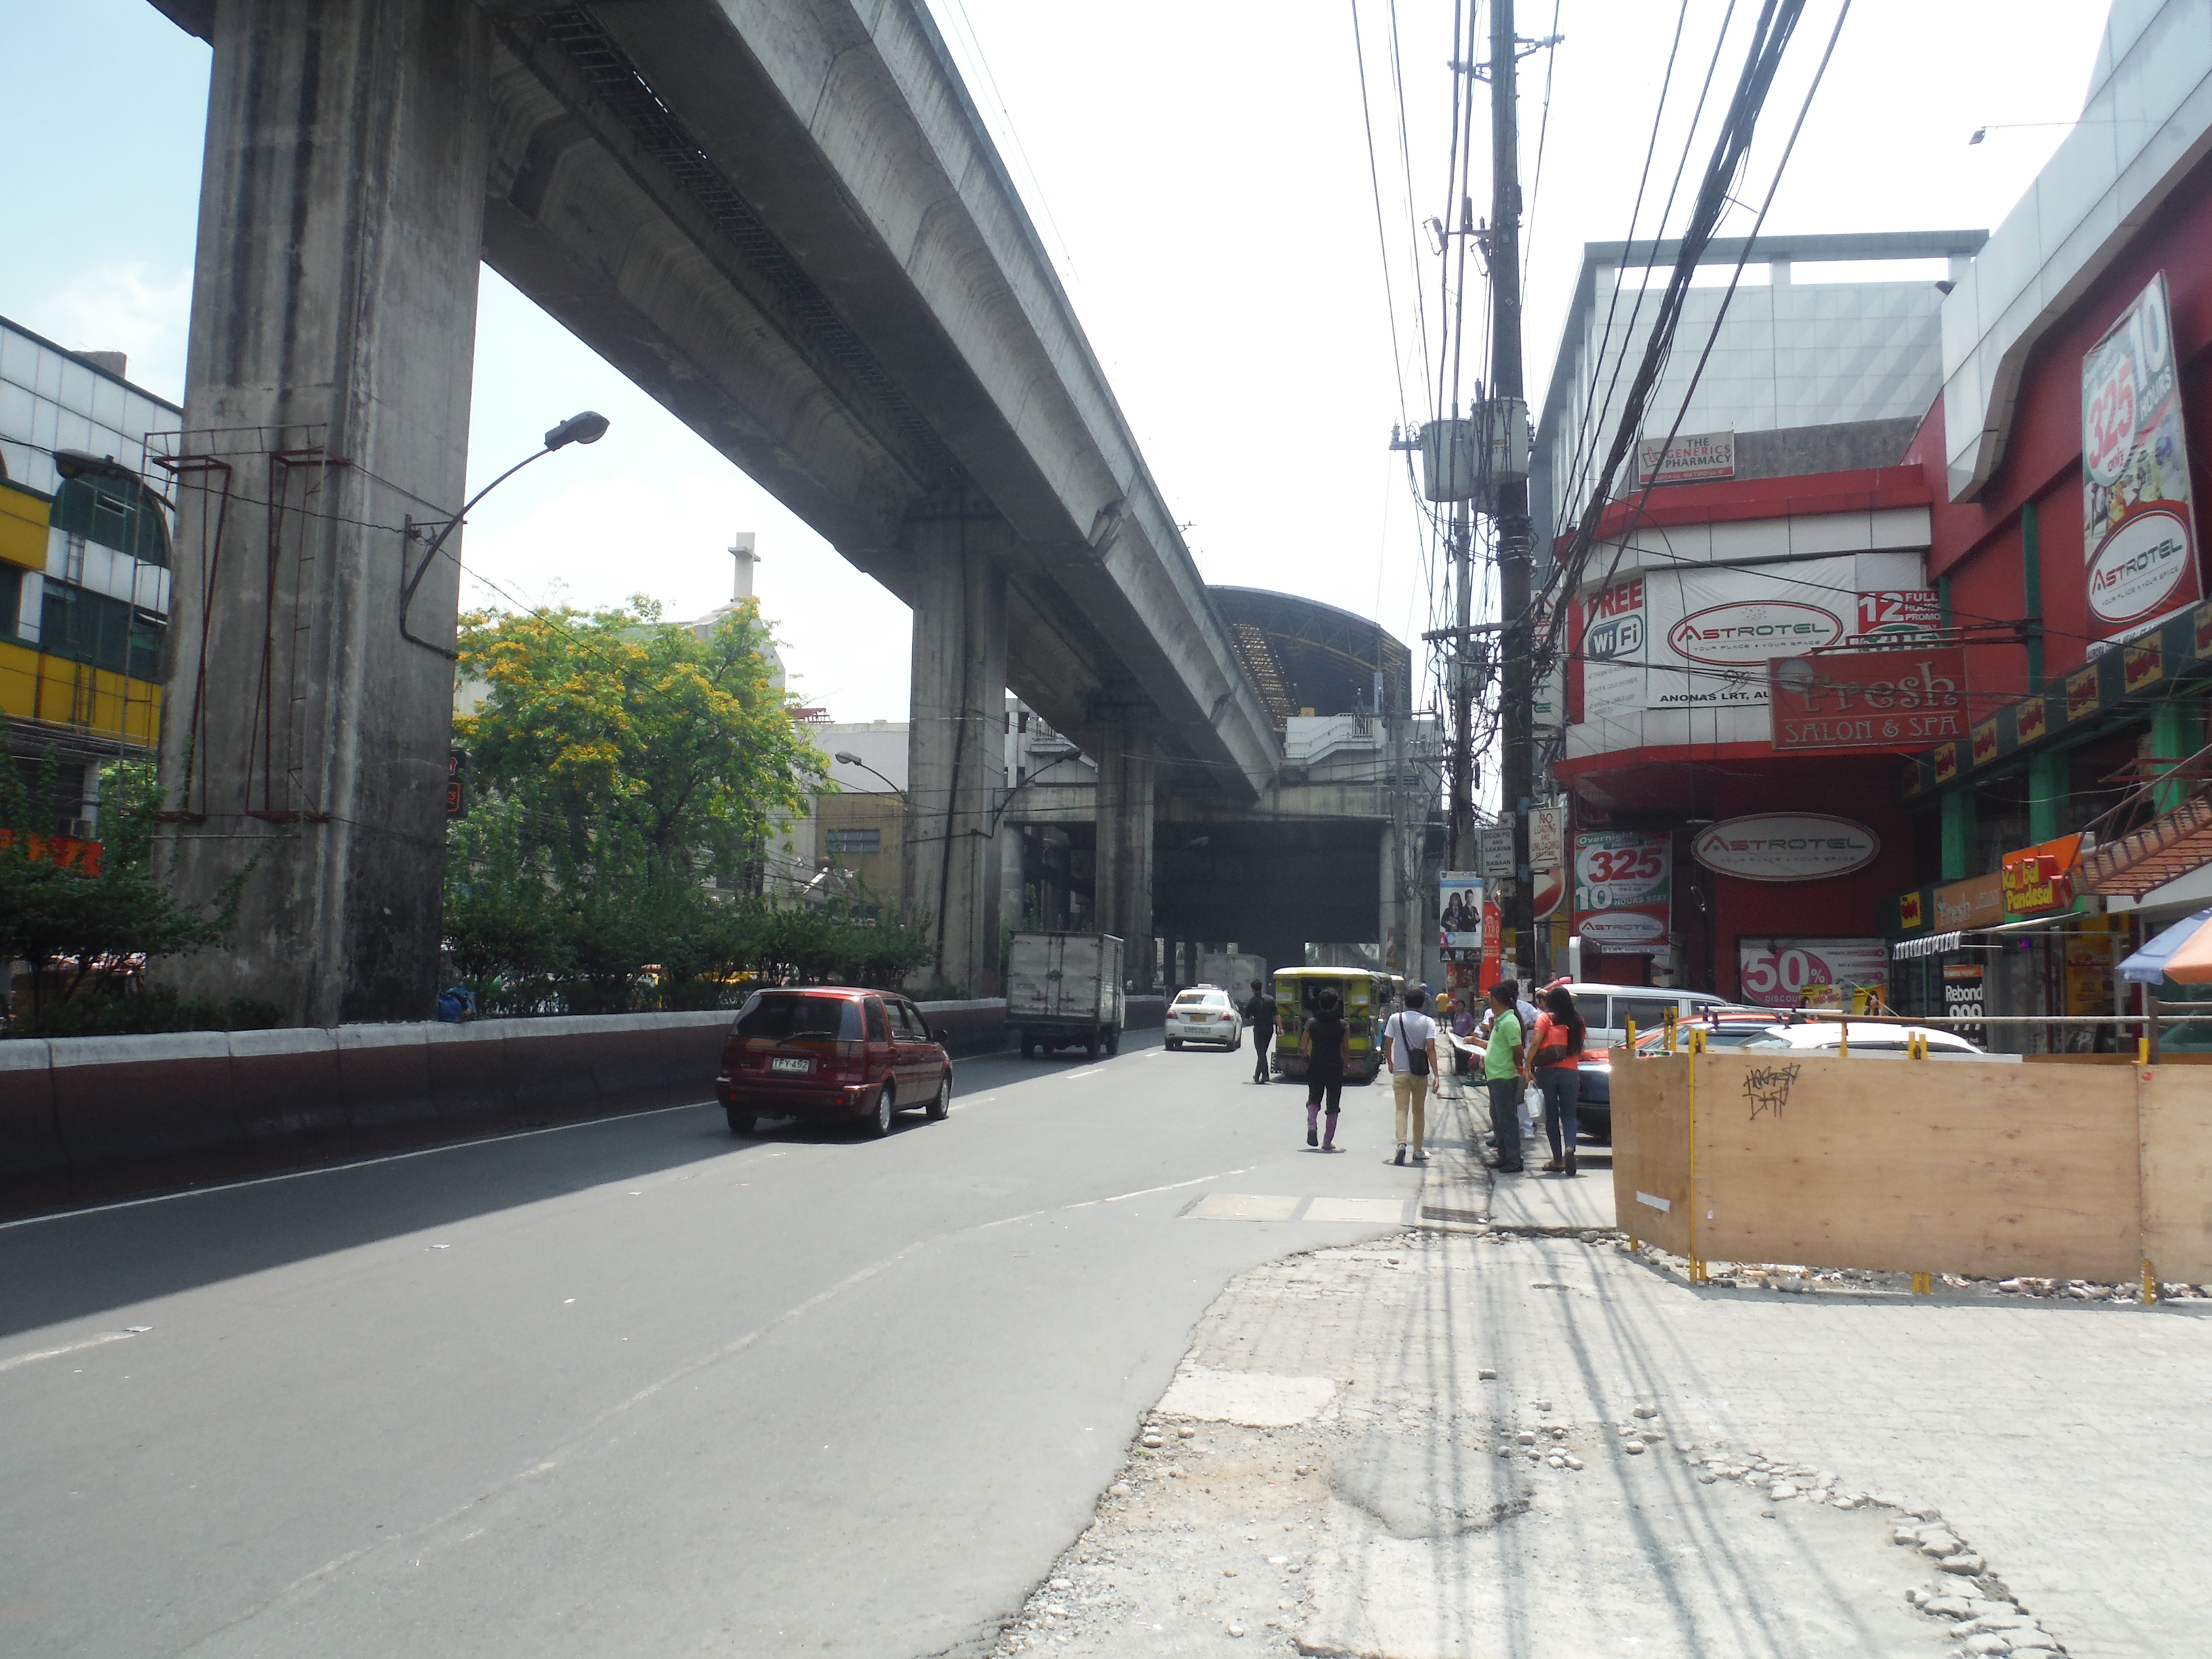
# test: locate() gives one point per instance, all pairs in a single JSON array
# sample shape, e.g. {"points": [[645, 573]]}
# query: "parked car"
{"points": [[1765, 1030], [1607, 1010], [1205, 1013], [1725, 1025], [832, 1051], [1868, 1037]]}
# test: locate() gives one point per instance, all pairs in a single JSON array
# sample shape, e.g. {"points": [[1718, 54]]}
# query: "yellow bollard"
{"points": [[2142, 1051], [1634, 1244], [1843, 1041], [2150, 1284], [1923, 1284], [1631, 1037]]}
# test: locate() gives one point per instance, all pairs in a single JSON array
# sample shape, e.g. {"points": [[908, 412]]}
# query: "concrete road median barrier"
{"points": [[98, 1117]]}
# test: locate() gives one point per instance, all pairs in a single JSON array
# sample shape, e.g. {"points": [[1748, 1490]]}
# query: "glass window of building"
{"points": [[116, 514]]}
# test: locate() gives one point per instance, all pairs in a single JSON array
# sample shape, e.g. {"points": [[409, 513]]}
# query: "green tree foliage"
{"points": [[617, 765]]}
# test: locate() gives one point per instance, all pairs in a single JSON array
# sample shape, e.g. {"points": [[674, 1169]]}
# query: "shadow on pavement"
{"points": [[71, 1265]]}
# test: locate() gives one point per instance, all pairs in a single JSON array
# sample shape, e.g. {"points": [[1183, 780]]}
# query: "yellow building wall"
{"points": [[54, 691], [879, 872], [23, 527]]}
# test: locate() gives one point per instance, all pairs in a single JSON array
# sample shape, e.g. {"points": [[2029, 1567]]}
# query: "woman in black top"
{"points": [[1327, 1044]]}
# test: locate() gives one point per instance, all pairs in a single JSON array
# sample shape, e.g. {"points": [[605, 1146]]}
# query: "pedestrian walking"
{"points": [[1327, 1045], [1260, 1015], [1445, 1085], [1409, 1049], [1555, 1052], [1501, 1072]]}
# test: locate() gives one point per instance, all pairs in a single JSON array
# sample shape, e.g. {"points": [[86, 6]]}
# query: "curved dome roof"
{"points": [[1301, 653]]}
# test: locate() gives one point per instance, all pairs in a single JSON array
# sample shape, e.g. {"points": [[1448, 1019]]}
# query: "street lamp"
{"points": [[587, 427], [845, 757]]}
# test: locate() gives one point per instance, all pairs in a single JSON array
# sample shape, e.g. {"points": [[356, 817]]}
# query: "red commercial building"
{"points": [[1917, 705]]}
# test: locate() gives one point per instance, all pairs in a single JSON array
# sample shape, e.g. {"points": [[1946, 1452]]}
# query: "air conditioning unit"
{"points": [[82, 829]]}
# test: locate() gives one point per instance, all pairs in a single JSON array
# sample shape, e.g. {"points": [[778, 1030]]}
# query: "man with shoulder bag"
{"points": [[1409, 1049]]}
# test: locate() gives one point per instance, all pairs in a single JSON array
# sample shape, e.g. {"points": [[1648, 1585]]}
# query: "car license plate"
{"points": [[781, 1064]]}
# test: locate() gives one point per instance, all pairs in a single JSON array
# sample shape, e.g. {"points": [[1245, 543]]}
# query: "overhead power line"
{"points": [[1770, 37]]}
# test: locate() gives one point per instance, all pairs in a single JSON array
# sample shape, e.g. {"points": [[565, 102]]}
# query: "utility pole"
{"points": [[1515, 535], [1462, 856]]}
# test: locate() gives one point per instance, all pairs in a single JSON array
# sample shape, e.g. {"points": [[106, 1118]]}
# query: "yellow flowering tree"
{"points": [[619, 763]]}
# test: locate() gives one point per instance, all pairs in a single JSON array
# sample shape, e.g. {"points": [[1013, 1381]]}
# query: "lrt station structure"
{"points": [[790, 227]]}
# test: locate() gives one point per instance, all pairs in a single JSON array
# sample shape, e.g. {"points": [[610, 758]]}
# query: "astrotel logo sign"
{"points": [[2140, 566], [1743, 633]]}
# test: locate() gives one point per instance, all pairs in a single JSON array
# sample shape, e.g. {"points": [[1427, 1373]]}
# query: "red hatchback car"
{"points": [[832, 1051]]}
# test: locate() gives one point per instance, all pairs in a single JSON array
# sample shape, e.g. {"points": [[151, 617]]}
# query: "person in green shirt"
{"points": [[1501, 1073]]}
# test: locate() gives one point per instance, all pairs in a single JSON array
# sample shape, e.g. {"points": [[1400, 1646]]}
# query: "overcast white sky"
{"points": [[1200, 169]]}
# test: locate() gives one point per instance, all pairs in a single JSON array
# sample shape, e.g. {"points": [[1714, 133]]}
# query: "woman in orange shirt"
{"points": [[1554, 1053]]}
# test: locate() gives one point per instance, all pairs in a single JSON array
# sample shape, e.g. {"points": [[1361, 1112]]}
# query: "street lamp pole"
{"points": [[845, 758], [587, 427]]}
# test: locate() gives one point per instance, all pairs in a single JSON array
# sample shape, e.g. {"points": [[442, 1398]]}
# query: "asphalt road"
{"points": [[632, 1387]]}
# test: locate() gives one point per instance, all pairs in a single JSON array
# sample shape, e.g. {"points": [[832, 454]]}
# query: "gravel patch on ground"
{"points": [[1348, 1464]]}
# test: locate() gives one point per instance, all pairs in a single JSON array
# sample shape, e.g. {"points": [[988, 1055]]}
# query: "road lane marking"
{"points": [[1177, 1185], [101, 1340]]}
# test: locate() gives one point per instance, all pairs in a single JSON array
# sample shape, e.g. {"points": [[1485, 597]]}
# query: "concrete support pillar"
{"points": [[1397, 942], [957, 746], [326, 404], [1123, 867]]}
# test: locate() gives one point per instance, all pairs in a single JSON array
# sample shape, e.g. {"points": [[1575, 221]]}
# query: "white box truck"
{"points": [[1064, 990]]}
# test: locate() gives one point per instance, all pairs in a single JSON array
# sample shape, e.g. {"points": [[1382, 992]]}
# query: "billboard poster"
{"points": [[1809, 973], [1623, 888], [1460, 905], [1898, 616], [1869, 700], [2139, 532]]}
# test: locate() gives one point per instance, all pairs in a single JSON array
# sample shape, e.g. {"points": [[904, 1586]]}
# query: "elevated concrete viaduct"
{"points": [[786, 221]]}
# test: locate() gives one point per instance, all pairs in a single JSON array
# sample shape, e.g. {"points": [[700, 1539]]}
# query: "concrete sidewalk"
{"points": [[1341, 1467], [1462, 1189]]}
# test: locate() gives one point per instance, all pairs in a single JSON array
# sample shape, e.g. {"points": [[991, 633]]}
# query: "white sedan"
{"points": [[1205, 1013], [1868, 1039]]}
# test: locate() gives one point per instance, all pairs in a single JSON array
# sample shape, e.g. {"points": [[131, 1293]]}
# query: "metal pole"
{"points": [[1515, 533]]}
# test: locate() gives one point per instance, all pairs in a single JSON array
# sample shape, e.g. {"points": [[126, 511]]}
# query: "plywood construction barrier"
{"points": [[1917, 1166]]}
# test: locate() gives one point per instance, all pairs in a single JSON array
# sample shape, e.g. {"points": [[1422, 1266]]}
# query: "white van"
{"points": [[1608, 1009]]}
